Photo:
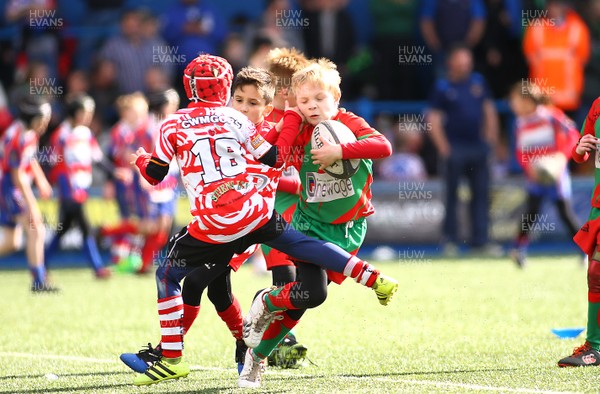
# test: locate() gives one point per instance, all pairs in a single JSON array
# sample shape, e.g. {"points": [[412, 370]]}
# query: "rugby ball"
{"points": [[336, 133], [549, 168]]}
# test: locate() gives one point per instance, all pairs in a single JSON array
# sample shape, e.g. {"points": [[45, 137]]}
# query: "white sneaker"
{"points": [[252, 371], [257, 320]]}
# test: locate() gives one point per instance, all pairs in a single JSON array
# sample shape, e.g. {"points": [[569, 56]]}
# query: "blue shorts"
{"points": [[132, 199], [11, 204], [560, 191], [158, 209]]}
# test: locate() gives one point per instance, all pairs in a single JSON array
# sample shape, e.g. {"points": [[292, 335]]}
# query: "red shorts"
{"points": [[588, 236], [275, 258], [337, 277], [238, 259]]}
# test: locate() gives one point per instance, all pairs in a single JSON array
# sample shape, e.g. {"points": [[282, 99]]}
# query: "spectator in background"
{"points": [[557, 47], [155, 81], [592, 70], [464, 126], [235, 52], [503, 60], [447, 22], [132, 53], [281, 23], [38, 40], [192, 27], [77, 83], [164, 58], [330, 33], [394, 31], [405, 164], [104, 90], [261, 46], [99, 22]]}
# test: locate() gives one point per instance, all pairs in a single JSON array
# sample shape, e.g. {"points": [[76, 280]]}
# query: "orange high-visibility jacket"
{"points": [[557, 55]]}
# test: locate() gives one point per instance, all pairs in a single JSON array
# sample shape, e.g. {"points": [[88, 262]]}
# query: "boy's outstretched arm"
{"points": [[153, 169]]}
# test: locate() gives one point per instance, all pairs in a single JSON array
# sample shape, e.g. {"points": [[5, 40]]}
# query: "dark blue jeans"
{"points": [[473, 164]]}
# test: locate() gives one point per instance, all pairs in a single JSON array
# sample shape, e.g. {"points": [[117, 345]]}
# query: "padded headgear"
{"points": [[208, 79]]}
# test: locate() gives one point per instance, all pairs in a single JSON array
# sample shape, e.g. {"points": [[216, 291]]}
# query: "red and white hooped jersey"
{"points": [[18, 148], [544, 132], [123, 143], [77, 149], [210, 144]]}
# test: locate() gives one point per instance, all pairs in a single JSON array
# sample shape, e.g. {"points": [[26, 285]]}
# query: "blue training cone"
{"points": [[567, 333]]}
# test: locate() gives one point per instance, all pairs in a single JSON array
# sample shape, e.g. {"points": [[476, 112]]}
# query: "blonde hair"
{"points": [[323, 73], [136, 101], [283, 63]]}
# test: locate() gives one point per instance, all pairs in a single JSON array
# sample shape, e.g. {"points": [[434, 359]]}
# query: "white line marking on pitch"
{"points": [[457, 385], [58, 357], [93, 360], [377, 378]]}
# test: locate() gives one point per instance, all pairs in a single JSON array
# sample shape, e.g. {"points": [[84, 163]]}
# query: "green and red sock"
{"points": [[279, 299], [593, 323], [278, 329]]}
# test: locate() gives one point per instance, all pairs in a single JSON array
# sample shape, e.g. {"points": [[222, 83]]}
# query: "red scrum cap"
{"points": [[208, 79]]}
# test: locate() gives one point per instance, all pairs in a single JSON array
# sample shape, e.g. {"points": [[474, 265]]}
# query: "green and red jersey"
{"points": [[591, 126], [588, 237], [323, 197]]}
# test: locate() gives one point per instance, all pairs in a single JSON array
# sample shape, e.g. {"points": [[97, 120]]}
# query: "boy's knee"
{"points": [[317, 296]]}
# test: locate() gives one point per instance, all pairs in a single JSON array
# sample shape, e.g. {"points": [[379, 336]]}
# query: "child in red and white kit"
{"points": [[544, 137]]}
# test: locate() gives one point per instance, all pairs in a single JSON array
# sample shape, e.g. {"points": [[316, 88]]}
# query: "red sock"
{"points": [[152, 244], [190, 312], [170, 312], [232, 316], [522, 240], [361, 271], [125, 227]]}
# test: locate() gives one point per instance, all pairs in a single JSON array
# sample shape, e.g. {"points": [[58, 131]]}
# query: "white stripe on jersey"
{"points": [[209, 144]]}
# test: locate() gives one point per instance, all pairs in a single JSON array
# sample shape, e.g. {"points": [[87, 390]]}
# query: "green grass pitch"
{"points": [[454, 326]]}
